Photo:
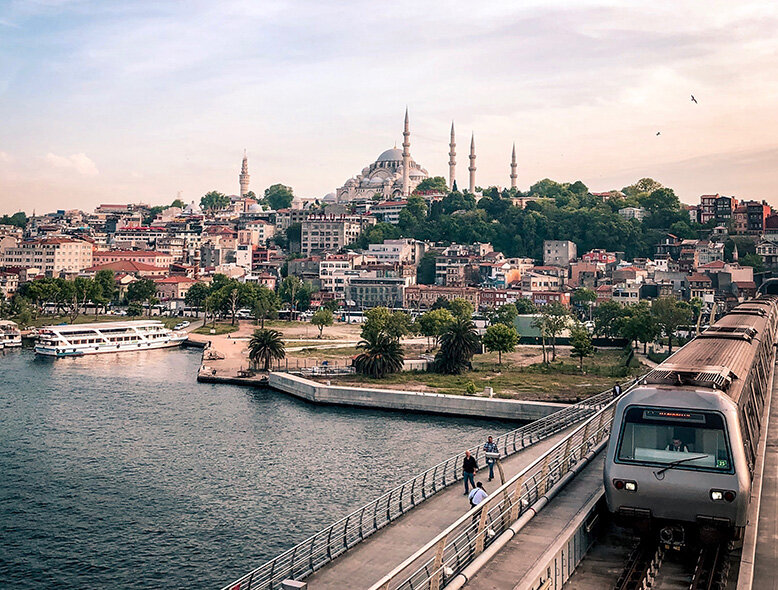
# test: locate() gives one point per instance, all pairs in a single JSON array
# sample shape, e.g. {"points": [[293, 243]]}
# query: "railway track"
{"points": [[711, 570], [642, 566]]}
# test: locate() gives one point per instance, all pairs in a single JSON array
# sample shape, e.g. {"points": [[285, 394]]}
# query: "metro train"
{"points": [[682, 451]]}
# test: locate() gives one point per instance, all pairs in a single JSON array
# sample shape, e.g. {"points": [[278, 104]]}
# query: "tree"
{"points": [[178, 203], [425, 273], [296, 293], [581, 342], [106, 282], [669, 313], [433, 323], [500, 338], [134, 309], [214, 200], [323, 317], [606, 318], [433, 183], [279, 196], [505, 314], [195, 296], [19, 219], [266, 346], [458, 344], [142, 291], [639, 324], [461, 308], [379, 319], [753, 260], [525, 306], [412, 216], [583, 299], [266, 304], [556, 317], [381, 354]]}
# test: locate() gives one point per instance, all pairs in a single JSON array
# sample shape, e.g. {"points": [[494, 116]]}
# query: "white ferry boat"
{"points": [[81, 339], [10, 335]]}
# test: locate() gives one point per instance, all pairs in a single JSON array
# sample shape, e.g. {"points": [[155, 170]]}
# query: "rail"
{"points": [[444, 557], [315, 552]]}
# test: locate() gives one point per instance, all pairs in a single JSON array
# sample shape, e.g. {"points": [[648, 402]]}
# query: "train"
{"points": [[682, 452]]}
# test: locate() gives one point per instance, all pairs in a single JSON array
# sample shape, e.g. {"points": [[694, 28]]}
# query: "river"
{"points": [[121, 470]]}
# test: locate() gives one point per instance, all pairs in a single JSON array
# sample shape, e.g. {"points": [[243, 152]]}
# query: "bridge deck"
{"points": [[366, 563], [513, 565], [766, 556]]}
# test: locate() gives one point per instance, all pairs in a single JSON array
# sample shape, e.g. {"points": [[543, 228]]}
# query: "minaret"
{"points": [[514, 176], [406, 157], [471, 168], [452, 159], [244, 175]]}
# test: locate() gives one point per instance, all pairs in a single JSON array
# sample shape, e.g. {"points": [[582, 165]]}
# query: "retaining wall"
{"points": [[412, 401]]}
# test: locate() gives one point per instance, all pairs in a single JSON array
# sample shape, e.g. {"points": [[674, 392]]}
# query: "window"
{"points": [[660, 436]]}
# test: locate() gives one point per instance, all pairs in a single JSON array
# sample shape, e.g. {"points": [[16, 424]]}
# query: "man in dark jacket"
{"points": [[469, 467]]}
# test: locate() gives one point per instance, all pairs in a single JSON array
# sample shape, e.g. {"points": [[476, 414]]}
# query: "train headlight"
{"points": [[728, 495], [626, 485]]}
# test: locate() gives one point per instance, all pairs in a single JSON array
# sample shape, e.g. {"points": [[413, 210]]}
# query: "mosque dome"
{"points": [[392, 155], [255, 208]]}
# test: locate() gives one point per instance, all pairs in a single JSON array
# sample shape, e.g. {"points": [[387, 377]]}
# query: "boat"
{"points": [[10, 334], [82, 339]]}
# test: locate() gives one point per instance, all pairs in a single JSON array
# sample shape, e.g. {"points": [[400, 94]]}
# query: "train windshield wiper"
{"points": [[676, 463]]}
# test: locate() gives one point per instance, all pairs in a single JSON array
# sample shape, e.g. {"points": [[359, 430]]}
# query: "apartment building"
{"points": [[559, 252], [329, 233], [51, 255]]}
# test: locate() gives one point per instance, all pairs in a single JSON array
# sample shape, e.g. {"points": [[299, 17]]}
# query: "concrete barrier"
{"points": [[411, 401]]}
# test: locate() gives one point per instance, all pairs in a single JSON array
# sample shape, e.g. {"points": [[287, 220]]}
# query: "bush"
{"points": [[470, 388]]}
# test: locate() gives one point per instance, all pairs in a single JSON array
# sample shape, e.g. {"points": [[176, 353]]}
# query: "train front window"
{"points": [[660, 436]]}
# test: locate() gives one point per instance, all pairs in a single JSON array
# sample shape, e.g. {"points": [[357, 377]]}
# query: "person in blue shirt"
{"points": [[491, 447]]}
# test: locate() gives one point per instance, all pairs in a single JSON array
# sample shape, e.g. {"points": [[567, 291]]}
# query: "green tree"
{"points": [[323, 317], [433, 183], [266, 304], [753, 260], [195, 296], [381, 355], [279, 196], [607, 317], [639, 325], [296, 293], [214, 200], [669, 314], [505, 314], [379, 319], [425, 272], [500, 338], [556, 318], [266, 346], [458, 344], [178, 203], [142, 291], [461, 308], [583, 299], [134, 309], [581, 342], [433, 323], [19, 219], [412, 216], [525, 306]]}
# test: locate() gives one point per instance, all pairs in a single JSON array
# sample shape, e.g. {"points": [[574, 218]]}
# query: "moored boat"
{"points": [[10, 335], [83, 339]]}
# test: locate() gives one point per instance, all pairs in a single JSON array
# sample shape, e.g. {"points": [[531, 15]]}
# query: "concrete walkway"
{"points": [[366, 563]]}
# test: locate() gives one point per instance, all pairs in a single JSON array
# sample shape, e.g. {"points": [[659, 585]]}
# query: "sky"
{"points": [[113, 102]]}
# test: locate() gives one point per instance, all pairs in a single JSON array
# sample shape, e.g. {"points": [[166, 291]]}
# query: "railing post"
{"points": [[584, 438], [566, 455], [516, 505], [436, 567], [479, 534], [542, 488], [599, 426]]}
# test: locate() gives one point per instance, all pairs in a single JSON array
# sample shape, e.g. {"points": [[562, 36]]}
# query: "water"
{"points": [[122, 470]]}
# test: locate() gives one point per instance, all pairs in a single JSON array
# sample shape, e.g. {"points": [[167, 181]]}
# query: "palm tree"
{"points": [[458, 344], [382, 354], [266, 346]]}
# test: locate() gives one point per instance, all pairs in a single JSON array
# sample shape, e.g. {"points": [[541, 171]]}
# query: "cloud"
{"points": [[77, 162]]}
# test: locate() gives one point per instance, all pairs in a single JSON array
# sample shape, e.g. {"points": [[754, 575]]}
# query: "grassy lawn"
{"points": [[561, 381], [219, 329], [327, 353]]}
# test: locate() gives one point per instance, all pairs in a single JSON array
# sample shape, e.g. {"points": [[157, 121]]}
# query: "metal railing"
{"points": [[444, 557], [318, 550]]}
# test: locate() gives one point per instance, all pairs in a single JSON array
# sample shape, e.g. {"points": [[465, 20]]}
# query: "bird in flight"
{"points": [[694, 100], [659, 133]]}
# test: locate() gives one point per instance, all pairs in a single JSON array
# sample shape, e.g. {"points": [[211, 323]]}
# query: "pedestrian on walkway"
{"points": [[491, 447], [469, 467], [478, 494], [616, 391]]}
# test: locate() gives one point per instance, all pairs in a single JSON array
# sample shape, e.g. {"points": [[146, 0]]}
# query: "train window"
{"points": [[659, 436]]}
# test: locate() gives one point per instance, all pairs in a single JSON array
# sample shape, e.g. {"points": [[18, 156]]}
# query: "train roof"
{"points": [[722, 356]]}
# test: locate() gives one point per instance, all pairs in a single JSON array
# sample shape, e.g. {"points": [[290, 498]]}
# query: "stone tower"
{"points": [[514, 176], [244, 175], [406, 156], [452, 159], [471, 168]]}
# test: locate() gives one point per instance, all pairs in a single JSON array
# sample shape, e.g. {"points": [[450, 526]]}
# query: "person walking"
{"points": [[616, 391], [478, 494], [491, 447], [469, 467]]}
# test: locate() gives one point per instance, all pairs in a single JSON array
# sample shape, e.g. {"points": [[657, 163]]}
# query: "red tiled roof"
{"points": [[126, 266], [120, 253], [712, 265], [172, 280], [699, 278]]}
